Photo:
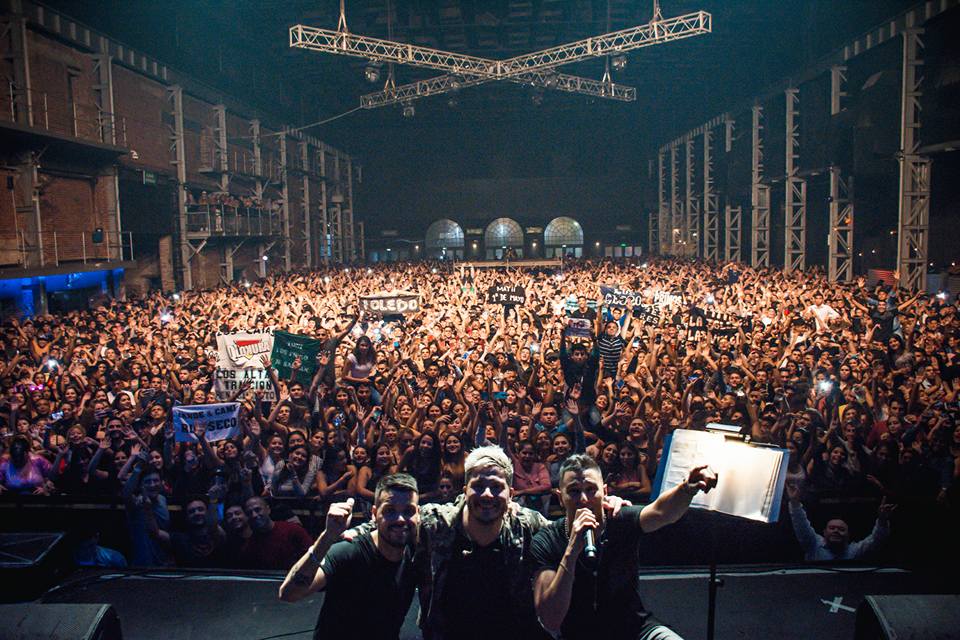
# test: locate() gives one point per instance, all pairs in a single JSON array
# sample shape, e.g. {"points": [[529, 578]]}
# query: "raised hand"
{"points": [[338, 518], [701, 478]]}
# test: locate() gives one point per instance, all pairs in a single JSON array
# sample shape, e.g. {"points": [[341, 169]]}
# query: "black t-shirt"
{"points": [[605, 602], [476, 571], [366, 594], [477, 601]]}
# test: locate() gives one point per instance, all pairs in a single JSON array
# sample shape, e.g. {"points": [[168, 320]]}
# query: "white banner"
{"points": [[238, 361], [221, 421]]}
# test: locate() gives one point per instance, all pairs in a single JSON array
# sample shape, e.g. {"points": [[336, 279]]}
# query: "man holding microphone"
{"points": [[586, 582]]}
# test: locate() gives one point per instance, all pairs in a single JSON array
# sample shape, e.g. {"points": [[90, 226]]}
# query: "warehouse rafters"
{"points": [[537, 68]]}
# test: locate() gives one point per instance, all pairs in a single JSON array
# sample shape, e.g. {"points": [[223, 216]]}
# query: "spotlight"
{"points": [[550, 80], [408, 110], [455, 83], [264, 258], [372, 72], [619, 63], [176, 296]]}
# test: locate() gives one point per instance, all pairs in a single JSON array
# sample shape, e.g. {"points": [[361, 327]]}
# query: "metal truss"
{"points": [[914, 209], [840, 243], [795, 198], [305, 204], [733, 219], [676, 207], [691, 237], [653, 232], [711, 203], [533, 68], [759, 198], [663, 212], [285, 194], [838, 79], [345, 43], [542, 78]]}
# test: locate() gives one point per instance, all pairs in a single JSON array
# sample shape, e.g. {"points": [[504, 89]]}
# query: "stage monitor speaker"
{"points": [[908, 617], [31, 563], [59, 622]]}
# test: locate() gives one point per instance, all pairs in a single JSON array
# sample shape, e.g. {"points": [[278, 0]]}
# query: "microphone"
{"points": [[589, 547]]}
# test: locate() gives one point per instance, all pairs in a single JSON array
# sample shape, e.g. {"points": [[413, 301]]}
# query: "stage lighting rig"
{"points": [[472, 70], [372, 72], [409, 110]]}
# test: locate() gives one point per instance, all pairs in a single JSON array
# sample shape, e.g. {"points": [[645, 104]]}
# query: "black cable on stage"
{"points": [[286, 635]]}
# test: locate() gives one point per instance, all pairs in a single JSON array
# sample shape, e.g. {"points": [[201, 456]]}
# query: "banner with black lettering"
{"points": [[238, 362], [616, 297], [287, 347], [220, 421], [390, 303], [717, 322], [506, 294]]}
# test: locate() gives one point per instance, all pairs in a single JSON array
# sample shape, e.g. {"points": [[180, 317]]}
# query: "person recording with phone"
{"points": [[586, 581]]}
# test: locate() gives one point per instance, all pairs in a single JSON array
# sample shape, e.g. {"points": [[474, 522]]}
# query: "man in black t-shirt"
{"points": [[600, 599], [369, 581]]}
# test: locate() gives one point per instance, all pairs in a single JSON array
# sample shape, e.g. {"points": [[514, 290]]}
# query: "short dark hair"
{"points": [[395, 482], [578, 463]]}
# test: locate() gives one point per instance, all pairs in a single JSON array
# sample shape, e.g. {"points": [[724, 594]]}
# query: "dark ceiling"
{"points": [[496, 132]]}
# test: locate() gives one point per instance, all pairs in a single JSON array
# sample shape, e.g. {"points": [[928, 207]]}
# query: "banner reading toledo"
{"points": [[287, 347], [221, 421], [238, 361], [389, 303]]}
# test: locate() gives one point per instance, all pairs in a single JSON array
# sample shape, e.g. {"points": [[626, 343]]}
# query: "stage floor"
{"points": [[760, 602]]}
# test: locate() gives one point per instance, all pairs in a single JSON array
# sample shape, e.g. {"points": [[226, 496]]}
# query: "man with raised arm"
{"points": [[369, 578], [579, 597]]}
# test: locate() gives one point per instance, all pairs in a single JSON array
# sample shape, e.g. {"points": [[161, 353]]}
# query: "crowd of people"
{"points": [[602, 358]]}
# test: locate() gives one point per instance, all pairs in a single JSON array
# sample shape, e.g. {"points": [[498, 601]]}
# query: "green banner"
{"points": [[286, 348]]}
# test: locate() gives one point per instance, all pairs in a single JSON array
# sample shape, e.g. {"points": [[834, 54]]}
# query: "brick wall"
{"points": [[55, 71], [141, 105], [67, 208]]}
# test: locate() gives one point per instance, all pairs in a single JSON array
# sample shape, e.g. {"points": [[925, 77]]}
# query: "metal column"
{"points": [[664, 233], [795, 197], [285, 191], [349, 240], [838, 76], [759, 198], [676, 208], [914, 210], [325, 251], [691, 236], [733, 219], [711, 203], [305, 207], [103, 95], [13, 30], [221, 154], [653, 233], [362, 243], [840, 240], [187, 253]]}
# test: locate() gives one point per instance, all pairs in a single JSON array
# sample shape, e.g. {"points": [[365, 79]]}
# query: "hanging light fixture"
{"points": [[372, 72], [408, 110]]}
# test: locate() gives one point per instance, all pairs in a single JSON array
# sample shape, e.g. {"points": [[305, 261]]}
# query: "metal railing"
{"points": [[57, 114], [57, 248], [239, 161], [221, 220]]}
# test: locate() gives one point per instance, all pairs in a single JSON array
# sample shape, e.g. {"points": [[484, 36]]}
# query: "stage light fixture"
{"points": [[372, 72], [619, 63], [408, 110]]}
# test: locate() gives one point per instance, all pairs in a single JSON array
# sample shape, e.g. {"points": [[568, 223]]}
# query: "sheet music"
{"points": [[749, 478]]}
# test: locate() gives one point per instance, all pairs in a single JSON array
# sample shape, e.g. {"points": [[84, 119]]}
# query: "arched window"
{"points": [[503, 232], [444, 234], [563, 231]]}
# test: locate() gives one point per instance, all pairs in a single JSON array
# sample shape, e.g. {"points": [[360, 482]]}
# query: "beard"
{"points": [[486, 511]]}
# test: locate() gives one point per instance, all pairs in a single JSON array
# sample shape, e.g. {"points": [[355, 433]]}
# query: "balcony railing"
{"points": [[205, 220], [69, 118], [239, 161], [56, 248]]}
